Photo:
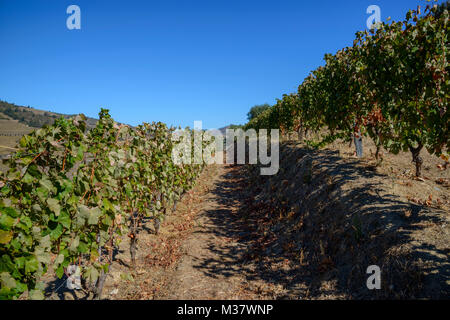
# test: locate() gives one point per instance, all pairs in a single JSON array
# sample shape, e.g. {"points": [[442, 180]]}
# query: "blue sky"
{"points": [[171, 61]]}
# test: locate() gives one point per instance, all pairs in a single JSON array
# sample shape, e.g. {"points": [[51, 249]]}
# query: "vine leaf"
{"points": [[54, 206], [5, 236], [7, 281]]}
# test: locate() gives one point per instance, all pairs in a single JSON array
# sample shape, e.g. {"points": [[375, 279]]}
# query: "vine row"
{"points": [[392, 85], [71, 194]]}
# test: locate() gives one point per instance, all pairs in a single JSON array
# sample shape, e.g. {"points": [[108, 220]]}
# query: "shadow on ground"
{"points": [[315, 227]]}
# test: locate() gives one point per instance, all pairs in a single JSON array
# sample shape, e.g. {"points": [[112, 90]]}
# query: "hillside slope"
{"points": [[332, 215], [10, 133], [16, 121], [32, 117]]}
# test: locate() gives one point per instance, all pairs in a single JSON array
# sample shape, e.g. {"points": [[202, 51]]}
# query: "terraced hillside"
{"points": [[15, 121], [10, 133]]}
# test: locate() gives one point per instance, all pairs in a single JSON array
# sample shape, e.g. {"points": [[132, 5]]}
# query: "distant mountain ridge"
{"points": [[32, 117], [223, 130]]}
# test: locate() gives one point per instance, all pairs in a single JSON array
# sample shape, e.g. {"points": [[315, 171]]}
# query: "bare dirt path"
{"points": [[212, 267]]}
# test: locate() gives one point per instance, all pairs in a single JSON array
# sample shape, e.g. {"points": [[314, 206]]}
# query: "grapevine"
{"points": [[392, 85], [70, 194]]}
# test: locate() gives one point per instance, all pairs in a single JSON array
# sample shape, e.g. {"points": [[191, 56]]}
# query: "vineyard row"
{"points": [[71, 194], [392, 85]]}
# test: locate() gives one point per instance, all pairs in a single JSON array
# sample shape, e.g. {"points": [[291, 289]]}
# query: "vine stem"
{"points": [[64, 161], [84, 195]]}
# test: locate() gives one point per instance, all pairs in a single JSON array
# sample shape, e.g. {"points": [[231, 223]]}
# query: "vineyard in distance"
{"points": [[95, 209]]}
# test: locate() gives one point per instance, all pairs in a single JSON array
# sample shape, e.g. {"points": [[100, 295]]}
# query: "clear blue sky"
{"points": [[171, 61]]}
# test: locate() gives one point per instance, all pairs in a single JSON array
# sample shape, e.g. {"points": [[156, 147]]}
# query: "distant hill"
{"points": [[16, 121], [223, 130], [231, 126], [32, 117]]}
